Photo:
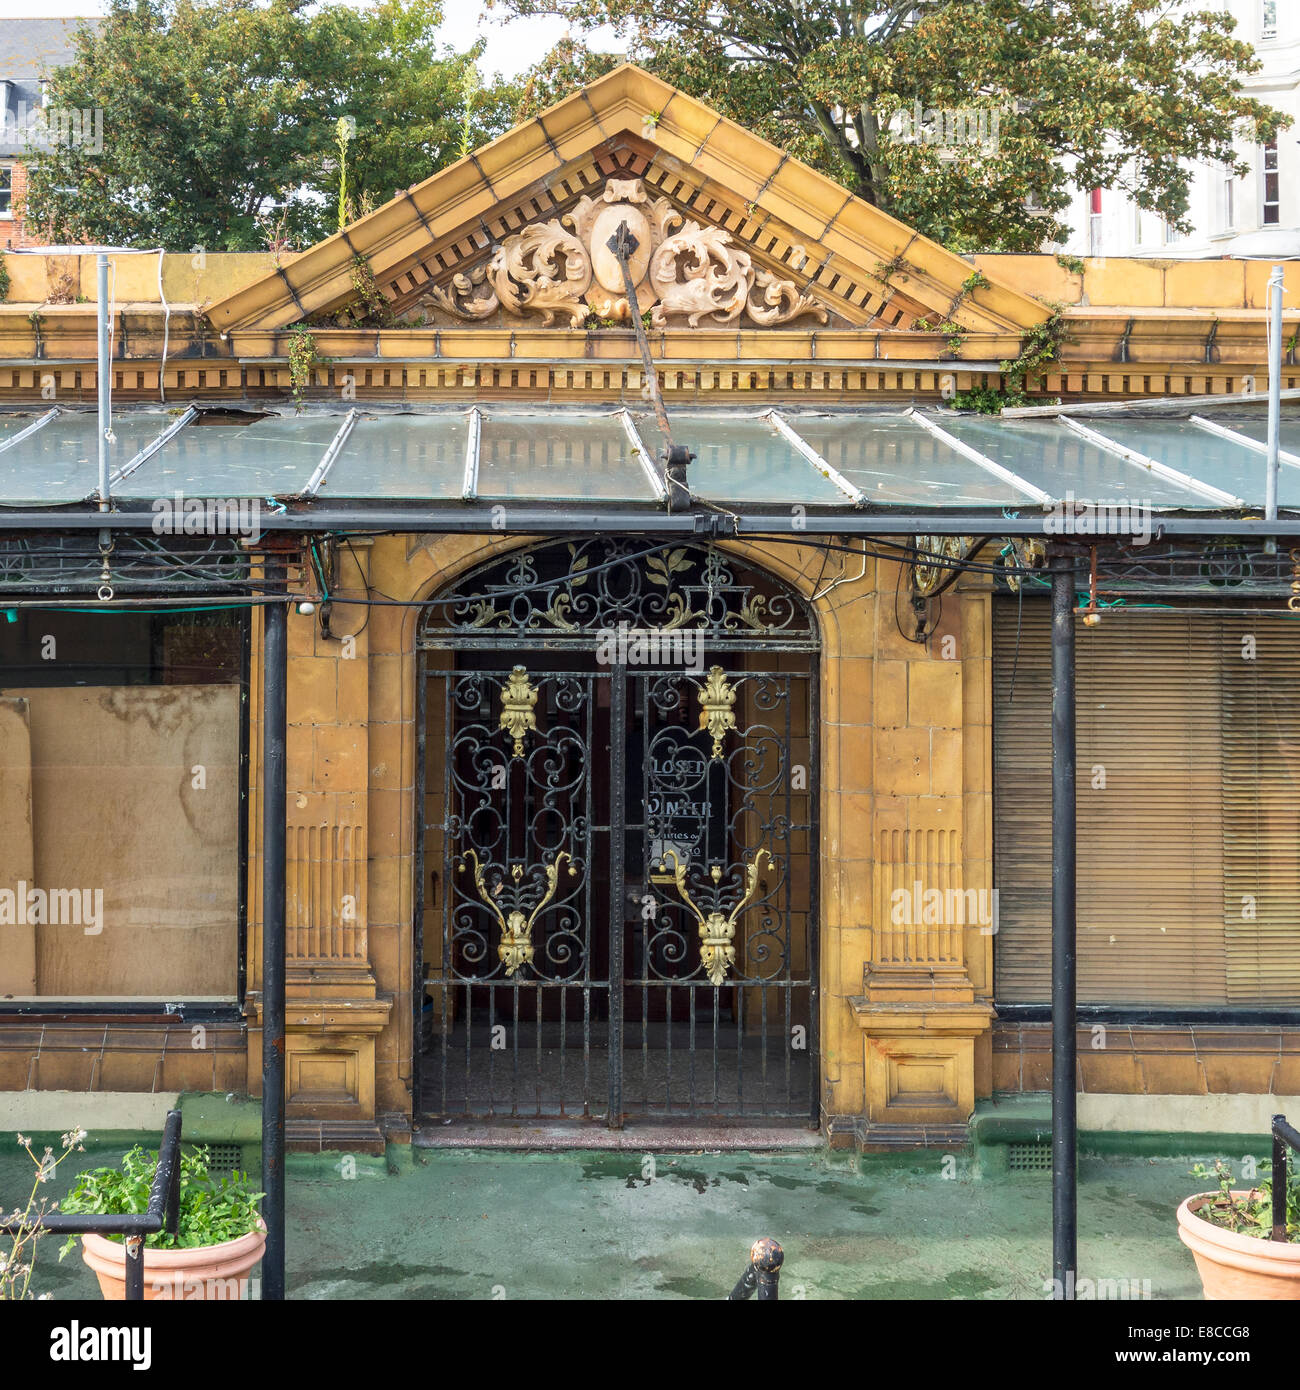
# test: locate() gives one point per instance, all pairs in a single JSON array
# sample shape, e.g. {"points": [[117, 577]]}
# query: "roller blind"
{"points": [[1188, 729]]}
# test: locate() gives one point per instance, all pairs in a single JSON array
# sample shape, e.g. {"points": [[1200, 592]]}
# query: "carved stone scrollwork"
{"points": [[680, 270]]}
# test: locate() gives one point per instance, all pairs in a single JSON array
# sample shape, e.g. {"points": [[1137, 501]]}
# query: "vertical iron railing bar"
{"points": [[814, 882], [1284, 1136], [617, 872], [419, 823]]}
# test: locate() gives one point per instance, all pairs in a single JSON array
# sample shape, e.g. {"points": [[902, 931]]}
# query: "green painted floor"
{"points": [[463, 1224]]}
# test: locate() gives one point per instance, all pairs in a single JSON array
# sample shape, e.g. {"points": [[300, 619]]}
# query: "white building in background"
{"points": [[1105, 222]]}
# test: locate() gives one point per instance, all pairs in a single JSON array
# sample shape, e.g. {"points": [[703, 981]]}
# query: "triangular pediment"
{"points": [[730, 231]]}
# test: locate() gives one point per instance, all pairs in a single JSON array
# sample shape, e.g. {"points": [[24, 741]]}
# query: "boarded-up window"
{"points": [[120, 787], [1188, 801]]}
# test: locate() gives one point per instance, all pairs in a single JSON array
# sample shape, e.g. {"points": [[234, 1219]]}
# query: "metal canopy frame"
{"points": [[308, 510], [1035, 494], [1161, 470]]}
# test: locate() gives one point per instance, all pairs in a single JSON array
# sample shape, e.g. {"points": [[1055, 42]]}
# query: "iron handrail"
{"points": [[1284, 1136], [162, 1212], [763, 1274]]}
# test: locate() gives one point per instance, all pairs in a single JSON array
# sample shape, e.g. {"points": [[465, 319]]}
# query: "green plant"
{"points": [[976, 280], [17, 1263], [304, 357], [988, 400], [4, 279], [1071, 263], [1251, 1215], [886, 270], [369, 295], [212, 1210], [343, 132], [1042, 344], [954, 333]]}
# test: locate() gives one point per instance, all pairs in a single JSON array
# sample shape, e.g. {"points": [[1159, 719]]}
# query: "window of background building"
{"points": [[1188, 799], [121, 786], [1229, 200], [1272, 197], [1268, 19], [6, 190]]}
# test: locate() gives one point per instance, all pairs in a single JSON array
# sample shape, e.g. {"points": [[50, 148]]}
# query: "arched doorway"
{"points": [[618, 839]]}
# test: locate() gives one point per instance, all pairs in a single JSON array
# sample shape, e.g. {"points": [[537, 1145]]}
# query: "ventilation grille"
{"points": [[1029, 1157], [223, 1159]]}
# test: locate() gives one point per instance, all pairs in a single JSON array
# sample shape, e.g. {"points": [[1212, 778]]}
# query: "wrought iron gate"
{"points": [[617, 909]]}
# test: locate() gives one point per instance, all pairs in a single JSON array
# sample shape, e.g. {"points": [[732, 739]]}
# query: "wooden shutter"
{"points": [[1188, 877]]}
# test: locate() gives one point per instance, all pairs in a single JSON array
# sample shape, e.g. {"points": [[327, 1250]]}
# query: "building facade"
{"points": [[30, 49], [615, 798], [1222, 205]]}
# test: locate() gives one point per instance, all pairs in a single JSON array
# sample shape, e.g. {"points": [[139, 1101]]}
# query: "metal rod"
{"points": [[643, 454], [1064, 1000], [134, 1247], [1246, 442], [152, 447], [530, 519], [1279, 1177], [30, 430], [1140, 460], [274, 727], [469, 488], [103, 366], [1274, 391], [801, 446], [313, 484], [1014, 479]]}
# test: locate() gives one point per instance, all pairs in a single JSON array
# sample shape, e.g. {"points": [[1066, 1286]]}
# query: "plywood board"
{"points": [[135, 796], [17, 941]]}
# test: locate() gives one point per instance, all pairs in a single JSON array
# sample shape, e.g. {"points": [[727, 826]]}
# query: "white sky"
{"points": [[510, 49]]}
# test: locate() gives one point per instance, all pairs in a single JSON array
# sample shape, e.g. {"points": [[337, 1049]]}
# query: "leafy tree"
{"points": [[1117, 94], [220, 118]]}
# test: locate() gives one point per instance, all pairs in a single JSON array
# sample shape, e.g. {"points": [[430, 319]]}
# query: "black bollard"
{"points": [[763, 1273]]}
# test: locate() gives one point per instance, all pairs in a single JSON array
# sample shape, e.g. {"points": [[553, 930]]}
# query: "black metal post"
{"points": [[1279, 1179], [617, 889], [762, 1274], [1064, 996], [274, 720], [134, 1291]]}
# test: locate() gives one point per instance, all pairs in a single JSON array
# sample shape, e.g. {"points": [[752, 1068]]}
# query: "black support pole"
{"points": [[1064, 1000], [274, 717]]}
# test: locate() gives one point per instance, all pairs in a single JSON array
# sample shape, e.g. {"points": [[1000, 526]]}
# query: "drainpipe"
{"points": [[274, 721], [1274, 392], [1064, 998]]}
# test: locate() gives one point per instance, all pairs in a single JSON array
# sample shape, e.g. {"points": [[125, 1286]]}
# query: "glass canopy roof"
{"points": [[818, 459]]}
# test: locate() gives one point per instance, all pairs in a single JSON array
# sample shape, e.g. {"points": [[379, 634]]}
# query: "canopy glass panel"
{"points": [[60, 462], [554, 457], [1045, 453]]}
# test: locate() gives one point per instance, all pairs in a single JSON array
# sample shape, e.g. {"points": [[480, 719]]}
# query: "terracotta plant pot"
{"points": [[1233, 1266], [202, 1272]]}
